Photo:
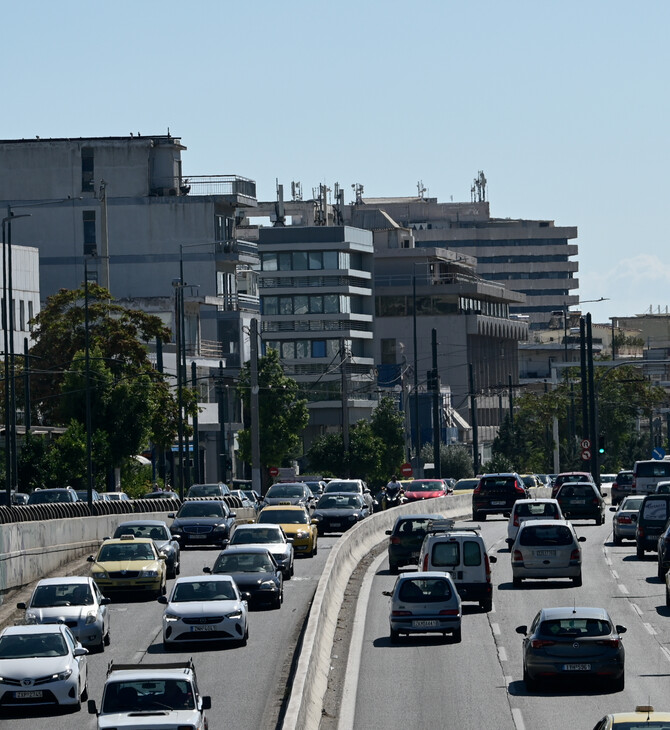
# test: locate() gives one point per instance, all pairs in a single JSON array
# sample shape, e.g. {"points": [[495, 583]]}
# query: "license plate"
{"points": [[424, 624], [32, 694], [577, 501], [498, 503], [197, 537], [336, 524], [545, 553], [576, 667], [196, 629]]}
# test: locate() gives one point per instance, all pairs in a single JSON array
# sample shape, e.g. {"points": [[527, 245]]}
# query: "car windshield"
{"points": [[290, 491], [63, 594], [201, 509], [575, 627], [249, 537], [153, 531], [22, 646], [283, 516], [467, 483], [44, 497], [148, 694], [424, 590], [343, 487], [244, 563], [340, 501], [624, 479], [425, 486], [120, 552], [632, 503], [205, 490], [545, 535], [203, 590]]}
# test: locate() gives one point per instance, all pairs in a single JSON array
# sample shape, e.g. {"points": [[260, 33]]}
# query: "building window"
{"points": [[288, 350], [30, 315], [300, 304], [330, 260], [388, 351], [87, 170], [285, 305], [316, 304], [330, 304], [302, 349], [318, 348], [315, 260], [22, 315], [300, 261], [285, 262], [269, 262], [90, 248], [270, 305]]}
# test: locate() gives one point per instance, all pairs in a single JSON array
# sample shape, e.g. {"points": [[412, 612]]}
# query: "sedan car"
{"points": [[625, 517], [203, 522], [204, 610], [357, 486], [53, 495], [198, 491], [425, 602], [406, 538], [114, 497], [271, 537], [338, 512], [547, 549], [41, 665], [573, 642], [419, 489], [531, 509], [581, 500], [158, 531], [255, 572], [621, 486], [289, 494], [129, 564], [298, 526], [644, 718], [75, 601]]}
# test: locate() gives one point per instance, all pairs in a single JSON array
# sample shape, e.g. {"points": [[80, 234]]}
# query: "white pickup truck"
{"points": [[157, 696]]}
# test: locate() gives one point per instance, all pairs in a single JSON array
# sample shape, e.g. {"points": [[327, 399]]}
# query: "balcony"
{"points": [[236, 188]]}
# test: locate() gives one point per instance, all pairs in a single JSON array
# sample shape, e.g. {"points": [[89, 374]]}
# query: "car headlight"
{"points": [[31, 618], [91, 618], [301, 533], [148, 574], [220, 528], [269, 585], [353, 518], [171, 617], [101, 574], [61, 676], [234, 614]]}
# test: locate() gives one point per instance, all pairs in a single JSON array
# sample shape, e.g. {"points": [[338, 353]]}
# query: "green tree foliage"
{"points": [[455, 460], [282, 415], [387, 425]]}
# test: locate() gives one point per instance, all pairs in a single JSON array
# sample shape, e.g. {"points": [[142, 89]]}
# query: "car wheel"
{"points": [[577, 581], [516, 582], [667, 597], [292, 570], [276, 602], [456, 635], [531, 684], [107, 638], [486, 604], [616, 540], [393, 569], [639, 552], [599, 520], [84, 694], [661, 573], [245, 638], [395, 636]]}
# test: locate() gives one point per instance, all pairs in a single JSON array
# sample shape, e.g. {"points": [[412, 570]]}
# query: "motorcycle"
{"points": [[392, 497]]}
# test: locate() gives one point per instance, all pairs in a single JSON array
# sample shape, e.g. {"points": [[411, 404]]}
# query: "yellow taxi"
{"points": [[129, 563], [644, 718], [296, 523]]}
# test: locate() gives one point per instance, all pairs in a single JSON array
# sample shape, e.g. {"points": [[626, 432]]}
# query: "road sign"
{"points": [[586, 454], [586, 444], [406, 469], [658, 453], [273, 471]]}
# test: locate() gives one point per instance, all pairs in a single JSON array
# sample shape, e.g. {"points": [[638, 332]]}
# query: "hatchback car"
{"points": [[531, 509], [547, 549], [289, 494], [203, 610], [114, 497], [621, 486], [297, 525], [199, 491], [569, 476], [271, 537], [158, 531], [75, 601], [652, 519], [204, 522], [42, 665], [663, 547], [337, 512], [255, 572], [572, 642], [496, 494], [357, 486], [581, 501], [419, 489], [624, 521], [406, 538], [425, 603]]}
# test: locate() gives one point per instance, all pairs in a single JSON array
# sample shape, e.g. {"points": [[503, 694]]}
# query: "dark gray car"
{"points": [[255, 571]]}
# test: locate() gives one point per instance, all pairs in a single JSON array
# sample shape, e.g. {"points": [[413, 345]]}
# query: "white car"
{"points": [[75, 601], [41, 665], [206, 608], [531, 509]]}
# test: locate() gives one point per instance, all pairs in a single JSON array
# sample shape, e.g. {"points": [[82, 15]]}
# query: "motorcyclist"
{"points": [[392, 491]]}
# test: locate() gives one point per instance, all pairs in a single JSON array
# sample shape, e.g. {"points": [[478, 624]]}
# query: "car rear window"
{"points": [[625, 478], [536, 509], [655, 509], [653, 469], [498, 483], [425, 590], [415, 527], [576, 490], [575, 627], [446, 554], [545, 535]]}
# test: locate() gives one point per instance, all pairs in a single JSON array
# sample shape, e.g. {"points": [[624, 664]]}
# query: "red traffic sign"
{"points": [[586, 454], [586, 444], [406, 470], [273, 471]]}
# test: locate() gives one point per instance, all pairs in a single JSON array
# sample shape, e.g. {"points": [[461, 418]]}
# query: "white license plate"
{"points": [[577, 501], [576, 667], [545, 553], [196, 629], [32, 694], [498, 503], [336, 524], [197, 537], [424, 624]]}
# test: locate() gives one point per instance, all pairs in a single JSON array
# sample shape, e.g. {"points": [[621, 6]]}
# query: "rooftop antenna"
{"points": [[338, 219], [280, 221], [420, 187], [296, 190], [358, 193]]}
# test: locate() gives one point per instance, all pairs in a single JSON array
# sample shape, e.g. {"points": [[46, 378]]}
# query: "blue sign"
{"points": [[658, 453]]}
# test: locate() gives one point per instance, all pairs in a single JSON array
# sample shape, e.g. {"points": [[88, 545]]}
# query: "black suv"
{"points": [[406, 539], [582, 501], [651, 521], [622, 486], [496, 494]]}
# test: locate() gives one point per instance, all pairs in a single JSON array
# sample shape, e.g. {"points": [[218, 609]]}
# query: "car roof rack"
{"points": [[117, 666], [448, 525]]}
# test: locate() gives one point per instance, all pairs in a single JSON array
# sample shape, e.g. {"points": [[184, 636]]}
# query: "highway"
{"points": [[427, 682], [246, 683]]}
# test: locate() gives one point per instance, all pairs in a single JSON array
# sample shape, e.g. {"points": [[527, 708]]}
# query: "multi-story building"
{"points": [[121, 210]]}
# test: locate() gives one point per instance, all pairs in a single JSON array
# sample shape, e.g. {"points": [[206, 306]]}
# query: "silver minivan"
{"points": [[648, 473], [547, 549]]}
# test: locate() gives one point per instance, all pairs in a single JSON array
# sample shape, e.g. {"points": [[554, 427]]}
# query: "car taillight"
{"points": [[557, 516], [395, 541], [517, 555], [516, 520], [615, 485], [595, 501], [519, 487], [574, 555], [401, 613], [640, 530], [624, 520], [487, 565], [541, 643], [478, 488], [449, 612], [633, 485], [614, 643], [425, 561]]}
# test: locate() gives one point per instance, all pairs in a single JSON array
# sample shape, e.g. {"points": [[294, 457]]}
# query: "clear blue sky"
{"points": [[563, 105]]}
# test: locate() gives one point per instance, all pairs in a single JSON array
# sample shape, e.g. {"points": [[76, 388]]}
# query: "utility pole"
{"points": [[473, 419], [593, 425], [511, 400], [256, 482], [345, 405], [104, 242], [582, 366], [436, 409], [220, 440], [196, 435]]}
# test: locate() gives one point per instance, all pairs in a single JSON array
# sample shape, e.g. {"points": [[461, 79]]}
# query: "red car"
{"points": [[419, 489]]}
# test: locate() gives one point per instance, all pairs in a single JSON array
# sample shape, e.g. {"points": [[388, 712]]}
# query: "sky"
{"points": [[563, 104]]}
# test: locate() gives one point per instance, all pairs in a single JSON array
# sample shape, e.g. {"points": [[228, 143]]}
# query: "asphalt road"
{"points": [[246, 683], [426, 682]]}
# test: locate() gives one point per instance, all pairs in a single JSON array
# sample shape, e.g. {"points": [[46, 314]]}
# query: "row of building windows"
{"points": [[306, 304], [403, 306], [303, 349], [557, 258], [21, 316], [544, 292], [523, 242], [315, 325], [507, 275], [303, 282], [305, 261]]}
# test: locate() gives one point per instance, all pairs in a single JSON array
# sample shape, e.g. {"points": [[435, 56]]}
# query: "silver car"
{"points": [[547, 549], [75, 601], [268, 536], [625, 517], [425, 602], [573, 642]]}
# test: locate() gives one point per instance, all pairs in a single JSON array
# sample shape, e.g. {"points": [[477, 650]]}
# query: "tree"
{"points": [[282, 415], [387, 424], [455, 460]]}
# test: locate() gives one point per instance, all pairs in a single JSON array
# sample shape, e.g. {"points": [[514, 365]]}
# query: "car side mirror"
{"points": [[245, 596], [171, 515], [92, 709], [493, 559], [620, 629], [80, 651], [388, 532], [289, 540], [90, 559], [104, 601], [613, 509], [206, 702], [522, 630], [162, 599], [387, 593], [581, 539], [21, 605], [233, 515], [107, 538], [206, 570], [225, 543], [315, 522]]}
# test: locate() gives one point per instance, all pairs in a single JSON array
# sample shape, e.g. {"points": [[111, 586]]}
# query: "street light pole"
{"points": [[87, 366]]}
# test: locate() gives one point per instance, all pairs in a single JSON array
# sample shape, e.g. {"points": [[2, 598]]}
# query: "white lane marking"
{"points": [[493, 607], [502, 653], [650, 629], [608, 560], [666, 652], [636, 608], [518, 719], [350, 689], [623, 588], [496, 629], [615, 574]]}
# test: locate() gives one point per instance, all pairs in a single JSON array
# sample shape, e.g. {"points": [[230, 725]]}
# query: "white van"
{"points": [[648, 473], [460, 551]]}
